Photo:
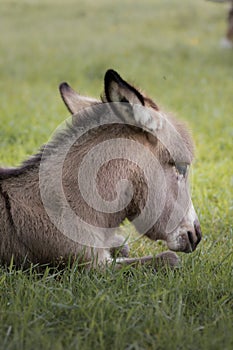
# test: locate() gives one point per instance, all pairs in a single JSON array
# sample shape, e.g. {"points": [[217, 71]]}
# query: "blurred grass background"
{"points": [[171, 50]]}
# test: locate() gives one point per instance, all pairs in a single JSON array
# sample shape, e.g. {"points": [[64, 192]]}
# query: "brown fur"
{"points": [[26, 231]]}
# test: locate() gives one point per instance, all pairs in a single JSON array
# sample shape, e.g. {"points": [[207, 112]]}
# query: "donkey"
{"points": [[227, 41], [119, 157], [229, 32]]}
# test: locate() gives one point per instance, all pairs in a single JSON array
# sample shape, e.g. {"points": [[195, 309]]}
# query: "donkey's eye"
{"points": [[181, 168]]}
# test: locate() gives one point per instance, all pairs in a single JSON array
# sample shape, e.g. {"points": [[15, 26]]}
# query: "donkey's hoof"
{"points": [[124, 251], [167, 258], [120, 251]]}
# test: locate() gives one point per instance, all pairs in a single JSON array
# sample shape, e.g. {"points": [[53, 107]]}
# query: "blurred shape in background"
{"points": [[227, 40]]}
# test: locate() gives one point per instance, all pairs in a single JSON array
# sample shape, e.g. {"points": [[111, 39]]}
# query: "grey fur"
{"points": [[26, 231]]}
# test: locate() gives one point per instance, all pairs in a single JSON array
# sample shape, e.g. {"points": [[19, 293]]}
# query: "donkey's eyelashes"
{"points": [[181, 168]]}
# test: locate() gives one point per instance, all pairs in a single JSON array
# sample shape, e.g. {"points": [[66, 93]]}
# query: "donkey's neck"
{"points": [[25, 181], [103, 192]]}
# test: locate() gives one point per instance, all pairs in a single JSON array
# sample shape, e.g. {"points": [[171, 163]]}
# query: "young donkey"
{"points": [[118, 158]]}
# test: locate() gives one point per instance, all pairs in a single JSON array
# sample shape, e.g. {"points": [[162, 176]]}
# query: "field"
{"points": [[171, 50]]}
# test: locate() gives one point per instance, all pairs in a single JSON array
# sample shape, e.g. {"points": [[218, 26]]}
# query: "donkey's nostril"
{"points": [[197, 230], [191, 240], [194, 236]]}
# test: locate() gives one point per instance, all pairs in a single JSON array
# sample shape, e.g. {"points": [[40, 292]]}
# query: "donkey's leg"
{"points": [[167, 258]]}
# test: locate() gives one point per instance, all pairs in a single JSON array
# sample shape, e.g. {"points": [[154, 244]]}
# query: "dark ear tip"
{"points": [[109, 70], [110, 75], [64, 86]]}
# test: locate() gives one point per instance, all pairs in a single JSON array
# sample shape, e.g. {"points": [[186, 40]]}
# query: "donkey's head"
{"points": [[162, 206]]}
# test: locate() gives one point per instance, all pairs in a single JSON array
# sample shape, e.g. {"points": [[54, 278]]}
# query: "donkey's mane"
{"points": [[34, 161], [82, 120], [69, 128], [26, 166]]}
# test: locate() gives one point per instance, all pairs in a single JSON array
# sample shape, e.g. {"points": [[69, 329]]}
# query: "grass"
{"points": [[171, 51]]}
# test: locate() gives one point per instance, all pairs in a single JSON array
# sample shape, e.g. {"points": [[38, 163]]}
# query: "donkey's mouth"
{"points": [[185, 242], [191, 242]]}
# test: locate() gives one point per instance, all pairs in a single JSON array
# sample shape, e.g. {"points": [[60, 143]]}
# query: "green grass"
{"points": [[170, 50]]}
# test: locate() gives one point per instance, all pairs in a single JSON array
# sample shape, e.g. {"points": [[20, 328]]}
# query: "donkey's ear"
{"points": [[133, 111], [118, 90], [73, 101]]}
